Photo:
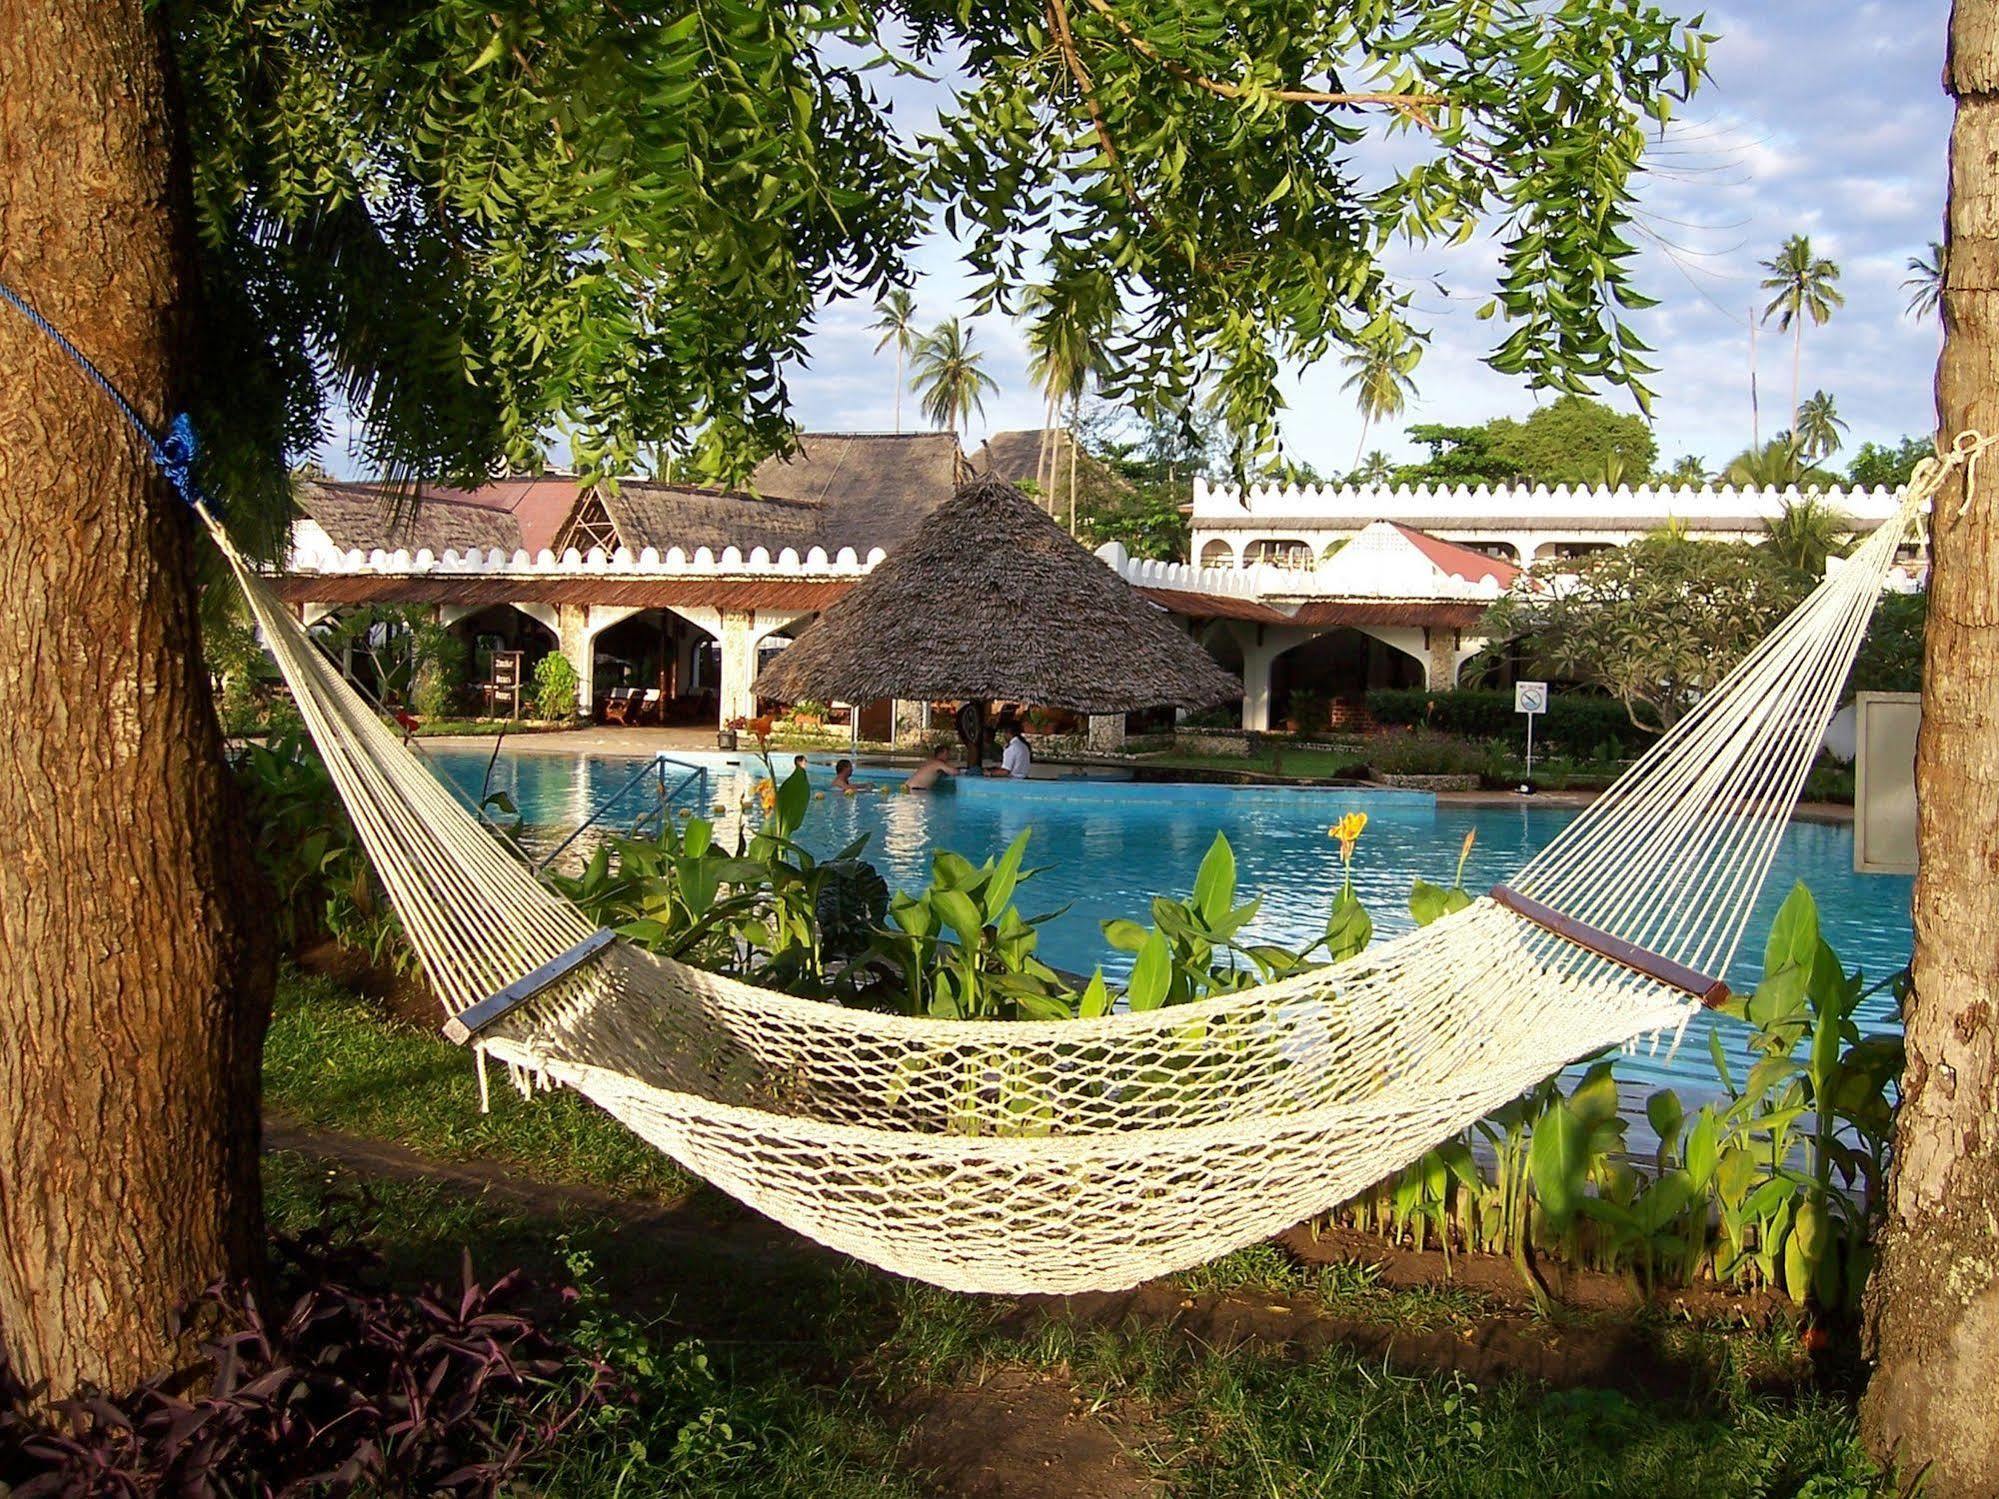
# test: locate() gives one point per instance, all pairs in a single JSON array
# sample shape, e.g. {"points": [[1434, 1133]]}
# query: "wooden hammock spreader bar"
{"points": [[469, 1022], [1708, 990]]}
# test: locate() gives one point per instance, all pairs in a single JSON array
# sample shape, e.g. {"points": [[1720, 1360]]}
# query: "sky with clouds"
{"points": [[1823, 117]]}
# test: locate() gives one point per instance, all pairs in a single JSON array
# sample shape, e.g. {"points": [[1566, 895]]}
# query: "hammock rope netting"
{"points": [[1094, 1154]]}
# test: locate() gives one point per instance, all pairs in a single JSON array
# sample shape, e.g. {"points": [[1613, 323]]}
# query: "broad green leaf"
{"points": [[1151, 975], [1214, 884], [961, 914], [1557, 1160], [1096, 998], [999, 889], [1428, 902], [1349, 928]]}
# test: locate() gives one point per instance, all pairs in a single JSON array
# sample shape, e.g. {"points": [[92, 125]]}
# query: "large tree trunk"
{"points": [[1933, 1304], [132, 1004]]}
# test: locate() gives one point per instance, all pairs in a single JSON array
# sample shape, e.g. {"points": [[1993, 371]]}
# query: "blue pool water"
{"points": [[1105, 848]]}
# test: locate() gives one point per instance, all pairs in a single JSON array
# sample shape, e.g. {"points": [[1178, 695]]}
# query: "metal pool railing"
{"points": [[660, 771]]}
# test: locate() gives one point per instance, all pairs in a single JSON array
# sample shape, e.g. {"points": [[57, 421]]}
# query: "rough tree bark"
{"points": [[1933, 1303], [132, 1000]]}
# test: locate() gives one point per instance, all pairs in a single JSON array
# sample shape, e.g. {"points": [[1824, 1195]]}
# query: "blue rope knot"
{"points": [[178, 451], [175, 454]]}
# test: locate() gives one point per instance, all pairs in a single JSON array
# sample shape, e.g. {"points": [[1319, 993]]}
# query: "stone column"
{"points": [[1441, 670], [738, 636], [1256, 659], [576, 641], [1106, 733]]}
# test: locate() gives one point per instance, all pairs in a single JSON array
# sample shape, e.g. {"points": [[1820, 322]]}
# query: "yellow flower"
{"points": [[1347, 832]]}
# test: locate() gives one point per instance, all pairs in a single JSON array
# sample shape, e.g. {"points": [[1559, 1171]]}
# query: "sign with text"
{"points": [[1530, 697]]}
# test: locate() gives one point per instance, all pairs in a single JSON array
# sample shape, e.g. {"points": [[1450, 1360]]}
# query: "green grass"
{"points": [[786, 1375], [331, 1061]]}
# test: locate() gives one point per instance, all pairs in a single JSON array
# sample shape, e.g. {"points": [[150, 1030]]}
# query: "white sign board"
{"points": [[1884, 781], [1530, 697]]}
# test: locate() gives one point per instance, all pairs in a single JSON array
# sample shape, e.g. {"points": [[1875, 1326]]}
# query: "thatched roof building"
{"points": [[989, 599]]}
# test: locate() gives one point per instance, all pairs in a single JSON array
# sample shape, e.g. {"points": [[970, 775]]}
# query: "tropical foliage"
{"points": [[1924, 283], [896, 323], [553, 690], [1768, 1184], [1778, 464], [1887, 465], [1382, 378], [949, 377], [1655, 624], [1571, 440], [1803, 283], [1819, 426], [487, 222], [1806, 532]]}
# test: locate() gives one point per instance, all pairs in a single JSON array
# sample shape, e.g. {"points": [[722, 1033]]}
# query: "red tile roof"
{"points": [[1459, 561], [539, 503]]}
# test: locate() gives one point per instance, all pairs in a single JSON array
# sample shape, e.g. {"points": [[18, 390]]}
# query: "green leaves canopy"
{"points": [[1656, 623], [480, 221]]}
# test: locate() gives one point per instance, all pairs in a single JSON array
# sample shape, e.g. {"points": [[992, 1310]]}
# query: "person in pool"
{"points": [[843, 777], [797, 762], [926, 775]]}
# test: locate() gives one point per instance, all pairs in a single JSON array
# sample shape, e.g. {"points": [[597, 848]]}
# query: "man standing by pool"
{"points": [[1016, 758]]}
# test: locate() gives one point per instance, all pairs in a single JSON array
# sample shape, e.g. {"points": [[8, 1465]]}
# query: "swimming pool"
{"points": [[1105, 848]]}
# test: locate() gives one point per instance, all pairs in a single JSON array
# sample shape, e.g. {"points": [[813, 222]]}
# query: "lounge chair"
{"points": [[646, 707], [619, 704]]}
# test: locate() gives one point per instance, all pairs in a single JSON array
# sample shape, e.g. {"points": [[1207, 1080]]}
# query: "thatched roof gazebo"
{"points": [[991, 600]]}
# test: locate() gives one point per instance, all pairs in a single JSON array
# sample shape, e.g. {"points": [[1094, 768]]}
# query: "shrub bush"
{"points": [[350, 1387], [437, 669], [555, 685], [1582, 724]]}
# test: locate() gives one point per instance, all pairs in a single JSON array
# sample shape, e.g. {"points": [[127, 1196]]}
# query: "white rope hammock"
{"points": [[1094, 1154]]}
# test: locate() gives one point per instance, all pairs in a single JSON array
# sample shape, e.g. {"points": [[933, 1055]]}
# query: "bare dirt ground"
{"points": [[1026, 1435]]}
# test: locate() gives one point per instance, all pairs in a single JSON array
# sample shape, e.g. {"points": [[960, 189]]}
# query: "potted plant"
{"points": [[809, 714]]}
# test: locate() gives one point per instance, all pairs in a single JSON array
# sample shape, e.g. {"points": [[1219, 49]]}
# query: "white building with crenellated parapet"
{"points": [[1300, 525], [678, 591]]}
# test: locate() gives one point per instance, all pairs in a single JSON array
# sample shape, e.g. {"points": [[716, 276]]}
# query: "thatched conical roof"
{"points": [[991, 599]]}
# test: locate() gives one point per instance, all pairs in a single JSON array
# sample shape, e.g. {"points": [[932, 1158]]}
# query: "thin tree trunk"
{"points": [[1360, 449], [1797, 369], [132, 1003], [1933, 1303], [1075, 416], [1755, 399]]}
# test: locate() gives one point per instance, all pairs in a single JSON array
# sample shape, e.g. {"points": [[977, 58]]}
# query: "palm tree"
{"points": [[1375, 471], [1925, 282], [945, 373], [1807, 532], [897, 325], [1803, 283], [1381, 380], [1778, 464], [1067, 350], [1819, 426], [1687, 471]]}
